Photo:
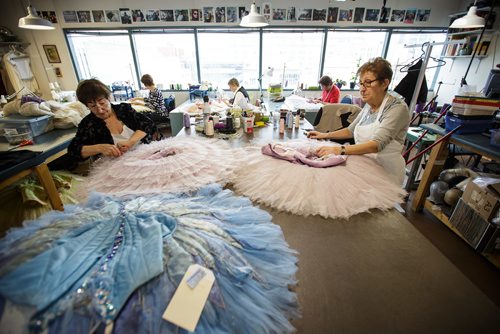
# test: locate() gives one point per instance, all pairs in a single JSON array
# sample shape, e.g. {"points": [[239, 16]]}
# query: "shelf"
{"points": [[471, 32]]}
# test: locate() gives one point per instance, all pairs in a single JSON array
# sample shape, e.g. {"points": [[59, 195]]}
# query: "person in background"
{"points": [[155, 99], [330, 92], [379, 131], [110, 129], [241, 97]]}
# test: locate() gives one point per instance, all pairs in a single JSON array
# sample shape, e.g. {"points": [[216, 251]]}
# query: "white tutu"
{"points": [[341, 191], [171, 165]]}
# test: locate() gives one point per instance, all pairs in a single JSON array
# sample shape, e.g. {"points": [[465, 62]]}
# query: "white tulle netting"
{"points": [[171, 165], [341, 191]]}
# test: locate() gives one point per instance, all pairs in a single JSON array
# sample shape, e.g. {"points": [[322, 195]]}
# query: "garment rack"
{"points": [[421, 73]]}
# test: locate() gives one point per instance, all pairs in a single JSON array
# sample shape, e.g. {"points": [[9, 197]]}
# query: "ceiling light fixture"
{"points": [[253, 19], [33, 21], [471, 20]]}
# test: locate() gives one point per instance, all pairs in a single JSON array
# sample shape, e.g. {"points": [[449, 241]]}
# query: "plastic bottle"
{"points": [[187, 120]]}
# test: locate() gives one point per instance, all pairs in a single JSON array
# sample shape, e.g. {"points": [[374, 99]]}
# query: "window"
{"points": [[295, 56], [170, 58], [227, 54], [347, 50], [104, 55], [398, 55]]}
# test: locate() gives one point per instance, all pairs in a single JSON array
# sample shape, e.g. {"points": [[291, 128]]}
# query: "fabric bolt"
{"points": [[149, 242], [170, 165], [358, 185]]}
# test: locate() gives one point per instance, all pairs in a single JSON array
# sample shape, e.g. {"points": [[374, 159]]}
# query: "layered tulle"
{"points": [[358, 185], [121, 260], [171, 165]]}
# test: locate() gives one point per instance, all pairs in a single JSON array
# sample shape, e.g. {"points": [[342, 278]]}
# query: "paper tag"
{"points": [[195, 278], [185, 308]]}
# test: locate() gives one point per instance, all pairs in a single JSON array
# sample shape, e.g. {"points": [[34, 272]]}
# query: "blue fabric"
{"points": [[162, 235]]}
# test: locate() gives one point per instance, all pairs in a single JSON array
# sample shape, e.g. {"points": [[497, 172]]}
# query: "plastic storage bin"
{"points": [[468, 125], [37, 125], [17, 136]]}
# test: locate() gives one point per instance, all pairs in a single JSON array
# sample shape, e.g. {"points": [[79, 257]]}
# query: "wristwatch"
{"points": [[342, 150]]}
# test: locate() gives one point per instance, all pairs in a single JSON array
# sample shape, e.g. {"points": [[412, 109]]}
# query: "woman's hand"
{"points": [[316, 135], [110, 150], [124, 146], [326, 150]]}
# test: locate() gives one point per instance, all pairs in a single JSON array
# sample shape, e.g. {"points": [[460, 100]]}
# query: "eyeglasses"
{"points": [[101, 103], [367, 83]]}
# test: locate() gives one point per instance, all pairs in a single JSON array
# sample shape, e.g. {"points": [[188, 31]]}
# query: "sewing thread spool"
{"points": [[187, 120], [282, 125]]}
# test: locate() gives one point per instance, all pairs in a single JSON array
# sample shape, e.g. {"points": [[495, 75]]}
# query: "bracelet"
{"points": [[342, 150]]}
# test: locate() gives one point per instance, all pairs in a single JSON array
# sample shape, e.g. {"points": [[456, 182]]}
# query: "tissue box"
{"points": [[38, 125]]}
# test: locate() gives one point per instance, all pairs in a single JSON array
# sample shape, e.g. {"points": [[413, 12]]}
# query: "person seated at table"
{"points": [[380, 128], [330, 92], [240, 98], [110, 129], [155, 99]]}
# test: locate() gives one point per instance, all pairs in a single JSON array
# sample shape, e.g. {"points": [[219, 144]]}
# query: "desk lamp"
{"points": [[269, 73], [33, 21]]}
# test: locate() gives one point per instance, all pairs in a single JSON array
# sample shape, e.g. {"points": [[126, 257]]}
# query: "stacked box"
{"points": [[474, 106]]}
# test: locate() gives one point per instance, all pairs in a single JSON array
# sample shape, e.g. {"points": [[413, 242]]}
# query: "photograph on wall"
{"points": [[232, 14], [70, 16], [220, 14], [333, 13], [126, 15], [51, 53], [84, 16], [410, 15], [304, 14], [359, 12], [49, 15], [153, 15], [290, 15], [279, 14], [384, 15], [57, 71], [112, 16], [397, 15], [266, 8], [345, 15], [319, 15], [372, 15], [165, 15], [423, 15], [98, 16], [208, 14], [242, 11], [181, 15], [194, 15], [138, 15]]}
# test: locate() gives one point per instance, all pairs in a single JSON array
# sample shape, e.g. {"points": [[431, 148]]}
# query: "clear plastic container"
{"points": [[17, 136]]}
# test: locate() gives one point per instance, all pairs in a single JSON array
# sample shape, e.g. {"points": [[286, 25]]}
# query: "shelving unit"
{"points": [[466, 49]]}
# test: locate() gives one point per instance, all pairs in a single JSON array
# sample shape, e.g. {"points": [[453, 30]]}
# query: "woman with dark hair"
{"points": [[110, 129], [380, 128], [330, 92], [155, 99]]}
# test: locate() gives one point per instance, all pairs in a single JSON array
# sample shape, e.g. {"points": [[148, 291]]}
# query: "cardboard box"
{"points": [[478, 196]]}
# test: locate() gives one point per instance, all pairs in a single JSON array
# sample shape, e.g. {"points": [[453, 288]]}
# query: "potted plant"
{"points": [[354, 75], [339, 83]]}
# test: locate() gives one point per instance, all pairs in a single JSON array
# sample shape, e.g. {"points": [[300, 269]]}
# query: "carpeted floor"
{"points": [[376, 273]]}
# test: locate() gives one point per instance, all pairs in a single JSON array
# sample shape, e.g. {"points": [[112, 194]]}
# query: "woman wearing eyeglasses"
{"points": [[109, 129], [380, 129]]}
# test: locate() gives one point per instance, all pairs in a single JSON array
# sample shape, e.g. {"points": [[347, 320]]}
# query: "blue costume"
{"points": [[122, 259]]}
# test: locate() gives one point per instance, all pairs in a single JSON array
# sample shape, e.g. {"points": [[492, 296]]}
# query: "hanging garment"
{"points": [[88, 266], [390, 157], [358, 185], [18, 69], [406, 86]]}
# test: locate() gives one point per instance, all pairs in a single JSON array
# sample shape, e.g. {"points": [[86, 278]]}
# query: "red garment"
{"points": [[332, 95]]}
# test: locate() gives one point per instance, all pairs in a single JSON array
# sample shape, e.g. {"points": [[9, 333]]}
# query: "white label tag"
{"points": [[185, 308]]}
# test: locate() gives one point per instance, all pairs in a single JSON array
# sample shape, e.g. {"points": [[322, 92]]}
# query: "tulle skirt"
{"points": [[119, 260], [358, 185]]}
